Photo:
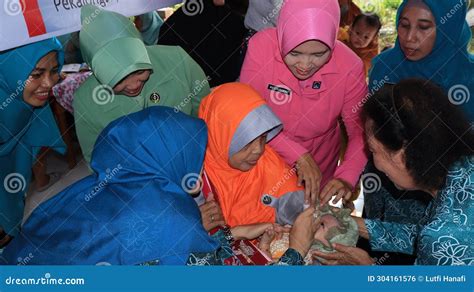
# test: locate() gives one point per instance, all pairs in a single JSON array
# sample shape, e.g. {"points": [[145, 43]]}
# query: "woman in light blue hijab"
{"points": [[27, 74]]}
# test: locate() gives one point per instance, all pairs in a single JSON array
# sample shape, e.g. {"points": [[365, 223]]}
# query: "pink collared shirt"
{"points": [[310, 110]]}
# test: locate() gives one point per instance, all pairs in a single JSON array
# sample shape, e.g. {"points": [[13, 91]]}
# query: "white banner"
{"points": [[28, 21]]}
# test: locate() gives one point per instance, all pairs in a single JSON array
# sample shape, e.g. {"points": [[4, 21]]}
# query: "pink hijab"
{"points": [[303, 20]]}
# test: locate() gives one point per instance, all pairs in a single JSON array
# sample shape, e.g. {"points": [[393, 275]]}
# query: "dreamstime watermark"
{"points": [[193, 7], [459, 94], [199, 85], [103, 94], [191, 183], [280, 94], [24, 261], [372, 7], [371, 183], [91, 17], [287, 176], [381, 260], [18, 92], [377, 86], [45, 280], [103, 183], [14, 183], [275, 11], [14, 7], [458, 7]]}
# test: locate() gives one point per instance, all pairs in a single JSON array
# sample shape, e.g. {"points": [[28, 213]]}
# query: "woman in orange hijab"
{"points": [[252, 182]]}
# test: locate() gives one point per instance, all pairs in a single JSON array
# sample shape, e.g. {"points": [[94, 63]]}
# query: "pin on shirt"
{"points": [[155, 97], [316, 85]]}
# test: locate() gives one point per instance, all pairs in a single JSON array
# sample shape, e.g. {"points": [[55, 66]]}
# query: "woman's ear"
{"points": [[399, 158]]}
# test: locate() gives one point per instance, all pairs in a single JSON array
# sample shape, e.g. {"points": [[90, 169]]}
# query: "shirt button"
{"points": [[267, 200]]}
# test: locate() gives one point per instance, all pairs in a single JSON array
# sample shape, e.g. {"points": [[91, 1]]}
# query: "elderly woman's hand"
{"points": [[252, 231], [211, 215], [344, 255], [336, 187]]}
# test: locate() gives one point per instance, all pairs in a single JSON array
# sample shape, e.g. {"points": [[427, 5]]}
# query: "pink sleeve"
{"points": [[355, 157], [252, 73], [253, 69]]}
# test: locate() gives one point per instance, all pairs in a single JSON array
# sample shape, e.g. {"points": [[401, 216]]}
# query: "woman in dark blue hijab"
{"points": [[132, 209]]}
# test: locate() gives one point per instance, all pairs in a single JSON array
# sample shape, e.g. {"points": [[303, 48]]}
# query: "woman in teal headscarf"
{"points": [[27, 74], [432, 43]]}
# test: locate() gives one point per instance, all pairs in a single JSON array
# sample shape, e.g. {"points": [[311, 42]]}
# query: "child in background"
{"points": [[362, 37]]}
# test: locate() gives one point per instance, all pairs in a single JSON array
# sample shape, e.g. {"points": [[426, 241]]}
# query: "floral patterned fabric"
{"points": [[64, 90], [445, 234], [290, 258], [382, 200]]}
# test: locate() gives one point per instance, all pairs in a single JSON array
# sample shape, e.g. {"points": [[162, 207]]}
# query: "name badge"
{"points": [[279, 89]]}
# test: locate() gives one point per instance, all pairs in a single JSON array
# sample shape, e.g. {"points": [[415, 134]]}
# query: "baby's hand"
{"points": [[273, 232]]}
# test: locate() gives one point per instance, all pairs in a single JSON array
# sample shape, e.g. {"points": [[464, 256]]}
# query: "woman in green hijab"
{"points": [[129, 76]]}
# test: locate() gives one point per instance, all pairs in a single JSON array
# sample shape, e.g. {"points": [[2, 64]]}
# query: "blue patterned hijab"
{"points": [[133, 208], [449, 64], [23, 129]]}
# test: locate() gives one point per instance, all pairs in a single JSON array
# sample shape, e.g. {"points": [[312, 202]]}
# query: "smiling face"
{"points": [[392, 164], [327, 222], [133, 84], [416, 32], [361, 34], [43, 77], [247, 157], [307, 58]]}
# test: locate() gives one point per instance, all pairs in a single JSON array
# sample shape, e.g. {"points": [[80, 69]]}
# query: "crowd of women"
{"points": [[270, 144]]}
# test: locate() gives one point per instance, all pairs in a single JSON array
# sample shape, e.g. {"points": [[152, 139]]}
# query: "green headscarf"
{"points": [[114, 52]]}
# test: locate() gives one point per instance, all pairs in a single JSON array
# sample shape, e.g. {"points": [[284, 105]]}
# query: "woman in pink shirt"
{"points": [[309, 80]]}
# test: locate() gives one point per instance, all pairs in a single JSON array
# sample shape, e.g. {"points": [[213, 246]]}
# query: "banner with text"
{"points": [[27, 21]]}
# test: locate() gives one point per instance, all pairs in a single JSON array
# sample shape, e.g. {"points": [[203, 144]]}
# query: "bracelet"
{"points": [[228, 234]]}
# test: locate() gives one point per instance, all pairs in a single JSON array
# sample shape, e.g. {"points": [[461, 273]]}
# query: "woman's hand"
{"points": [[344, 255], [336, 187], [211, 215], [302, 233], [308, 171], [253, 231]]}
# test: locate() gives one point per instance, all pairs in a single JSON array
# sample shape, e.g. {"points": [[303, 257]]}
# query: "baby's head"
{"points": [[363, 30], [336, 226], [328, 227]]}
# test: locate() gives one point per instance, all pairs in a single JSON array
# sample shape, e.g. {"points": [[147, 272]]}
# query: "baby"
{"points": [[335, 226], [362, 37]]}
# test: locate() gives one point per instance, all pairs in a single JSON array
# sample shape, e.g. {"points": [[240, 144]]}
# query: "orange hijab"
{"points": [[240, 194]]}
